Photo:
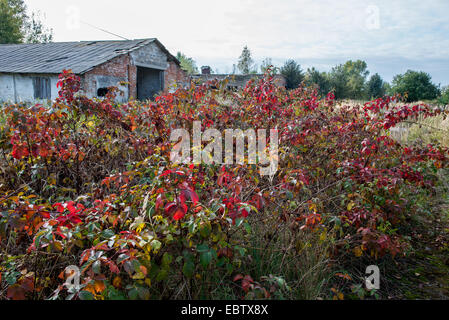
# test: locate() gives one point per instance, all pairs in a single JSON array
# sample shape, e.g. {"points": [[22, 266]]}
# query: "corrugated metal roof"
{"points": [[57, 56]]}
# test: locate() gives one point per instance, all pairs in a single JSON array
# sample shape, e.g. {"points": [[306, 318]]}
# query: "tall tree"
{"points": [[375, 87], [416, 85], [318, 79], [246, 62], [357, 72], [293, 74], [17, 27], [36, 32], [12, 21], [338, 82], [348, 80], [187, 64]]}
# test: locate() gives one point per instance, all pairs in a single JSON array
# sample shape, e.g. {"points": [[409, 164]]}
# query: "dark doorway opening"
{"points": [[149, 83]]}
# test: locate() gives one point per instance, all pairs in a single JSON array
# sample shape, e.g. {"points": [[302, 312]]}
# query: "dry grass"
{"points": [[419, 131]]}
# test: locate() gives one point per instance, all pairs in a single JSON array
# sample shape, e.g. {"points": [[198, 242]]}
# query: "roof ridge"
{"points": [[82, 41]]}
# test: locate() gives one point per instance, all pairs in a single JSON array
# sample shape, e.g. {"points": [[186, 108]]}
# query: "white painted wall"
{"points": [[19, 87]]}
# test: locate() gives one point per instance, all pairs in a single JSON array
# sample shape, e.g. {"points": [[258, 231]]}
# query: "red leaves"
{"points": [[186, 195], [258, 201], [178, 211], [169, 172], [20, 151], [19, 290], [247, 281], [189, 193], [71, 219], [69, 84]]}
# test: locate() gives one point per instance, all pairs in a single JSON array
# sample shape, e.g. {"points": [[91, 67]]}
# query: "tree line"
{"points": [[350, 80]]}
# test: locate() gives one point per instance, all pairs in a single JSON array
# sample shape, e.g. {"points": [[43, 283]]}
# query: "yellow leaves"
{"points": [[351, 205], [438, 164], [358, 251], [52, 180], [323, 236], [117, 282], [141, 274], [99, 286], [57, 245], [138, 224], [337, 294]]}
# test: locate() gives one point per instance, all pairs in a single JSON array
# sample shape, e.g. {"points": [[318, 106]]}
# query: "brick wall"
{"points": [[123, 69], [110, 74], [174, 75]]}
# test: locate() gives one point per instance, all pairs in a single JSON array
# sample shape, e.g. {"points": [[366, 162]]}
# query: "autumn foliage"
{"points": [[89, 183]]}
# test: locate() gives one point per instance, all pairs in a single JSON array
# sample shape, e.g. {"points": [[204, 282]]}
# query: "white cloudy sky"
{"points": [[391, 35]]}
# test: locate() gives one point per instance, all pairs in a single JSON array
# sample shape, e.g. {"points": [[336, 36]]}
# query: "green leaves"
{"points": [[96, 267], [206, 258], [206, 255], [137, 293], [188, 269], [86, 295]]}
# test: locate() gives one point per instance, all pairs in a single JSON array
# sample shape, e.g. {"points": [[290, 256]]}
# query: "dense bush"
{"points": [[89, 183], [415, 86]]}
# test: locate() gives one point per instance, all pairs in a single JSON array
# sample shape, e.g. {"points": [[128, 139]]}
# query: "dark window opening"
{"points": [[42, 88], [102, 92]]}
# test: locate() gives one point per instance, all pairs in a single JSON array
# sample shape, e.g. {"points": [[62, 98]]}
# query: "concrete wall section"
{"points": [[19, 87], [6, 87], [150, 56]]}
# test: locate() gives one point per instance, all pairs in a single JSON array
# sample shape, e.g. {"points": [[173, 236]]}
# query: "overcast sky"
{"points": [[390, 35]]}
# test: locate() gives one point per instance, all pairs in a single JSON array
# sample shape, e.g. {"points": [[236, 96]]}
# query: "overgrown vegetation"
{"points": [[89, 183]]}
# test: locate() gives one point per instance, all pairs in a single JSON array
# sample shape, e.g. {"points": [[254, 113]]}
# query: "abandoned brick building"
{"points": [[30, 71], [235, 81]]}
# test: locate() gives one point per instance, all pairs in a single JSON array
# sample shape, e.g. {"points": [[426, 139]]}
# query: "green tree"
{"points": [[266, 63], [375, 87], [357, 72], [246, 62], [12, 21], [17, 27], [338, 82], [416, 85], [318, 79], [36, 32], [444, 98], [187, 64], [293, 74], [387, 88], [348, 80]]}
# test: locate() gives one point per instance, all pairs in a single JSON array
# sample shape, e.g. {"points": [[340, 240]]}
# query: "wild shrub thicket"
{"points": [[89, 183]]}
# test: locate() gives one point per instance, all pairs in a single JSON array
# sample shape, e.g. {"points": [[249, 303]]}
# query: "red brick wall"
{"points": [[122, 67], [174, 74], [117, 67], [132, 76]]}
